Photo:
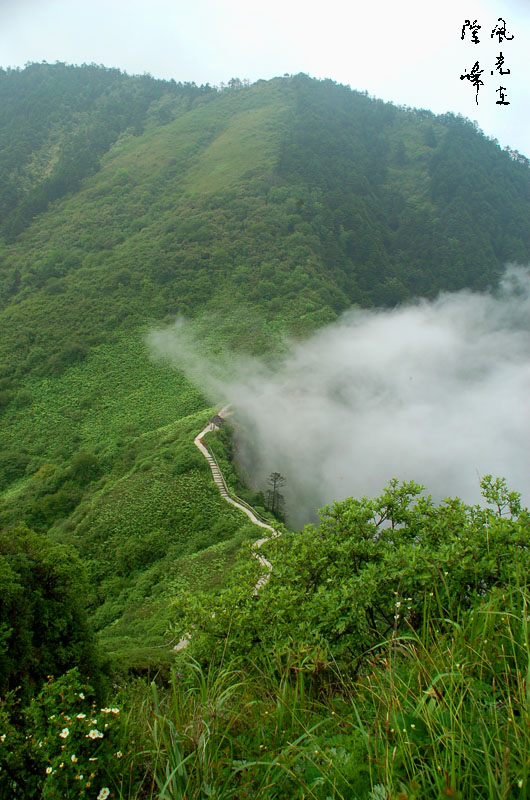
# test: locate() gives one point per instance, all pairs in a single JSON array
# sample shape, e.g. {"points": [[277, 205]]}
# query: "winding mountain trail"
{"points": [[238, 503]]}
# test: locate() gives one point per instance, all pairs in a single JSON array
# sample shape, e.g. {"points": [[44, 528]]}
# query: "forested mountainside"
{"points": [[57, 121], [293, 172], [256, 210]]}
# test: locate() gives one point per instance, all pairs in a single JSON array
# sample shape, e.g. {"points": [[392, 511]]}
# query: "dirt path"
{"points": [[238, 503]]}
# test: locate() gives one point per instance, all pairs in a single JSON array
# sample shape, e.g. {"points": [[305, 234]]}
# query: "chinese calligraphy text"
{"points": [[470, 31]]}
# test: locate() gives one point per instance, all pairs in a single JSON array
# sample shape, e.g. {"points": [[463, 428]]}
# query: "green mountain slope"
{"points": [[256, 210], [56, 122]]}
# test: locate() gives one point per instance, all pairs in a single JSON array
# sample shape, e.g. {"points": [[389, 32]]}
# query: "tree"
{"points": [[44, 627], [370, 570], [274, 497]]}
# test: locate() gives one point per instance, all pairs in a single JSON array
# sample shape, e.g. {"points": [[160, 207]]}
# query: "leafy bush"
{"points": [[61, 744], [139, 552], [55, 506], [12, 466], [370, 569], [5, 398], [43, 622], [69, 354], [84, 468]]}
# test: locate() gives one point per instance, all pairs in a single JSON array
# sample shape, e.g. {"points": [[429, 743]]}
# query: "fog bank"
{"points": [[437, 392]]}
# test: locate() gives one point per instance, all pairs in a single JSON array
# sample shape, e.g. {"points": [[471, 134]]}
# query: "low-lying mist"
{"points": [[437, 392]]}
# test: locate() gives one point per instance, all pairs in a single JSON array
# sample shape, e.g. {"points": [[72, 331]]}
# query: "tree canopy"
{"points": [[367, 572], [44, 627]]}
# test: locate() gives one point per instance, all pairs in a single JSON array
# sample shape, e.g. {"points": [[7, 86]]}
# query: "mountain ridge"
{"points": [[257, 211]]}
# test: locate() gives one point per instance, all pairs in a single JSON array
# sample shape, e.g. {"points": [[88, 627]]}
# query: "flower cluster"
{"points": [[398, 607], [79, 756]]}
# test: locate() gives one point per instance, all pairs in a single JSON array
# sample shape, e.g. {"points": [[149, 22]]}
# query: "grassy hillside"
{"points": [[256, 210], [56, 122], [386, 655], [103, 458]]}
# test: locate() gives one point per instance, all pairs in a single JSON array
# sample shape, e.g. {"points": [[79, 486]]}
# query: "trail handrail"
{"points": [[230, 492]]}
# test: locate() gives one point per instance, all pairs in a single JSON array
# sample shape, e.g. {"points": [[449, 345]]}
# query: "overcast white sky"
{"points": [[409, 52]]}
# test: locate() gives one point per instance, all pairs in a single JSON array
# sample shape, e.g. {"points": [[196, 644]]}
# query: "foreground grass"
{"points": [[434, 703], [434, 714], [451, 712], [441, 712]]}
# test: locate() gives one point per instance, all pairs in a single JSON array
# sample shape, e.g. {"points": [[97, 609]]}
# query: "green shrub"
{"points": [[43, 621], [5, 398], [372, 567], [12, 466], [70, 354], [139, 552], [61, 744], [22, 400], [84, 468]]}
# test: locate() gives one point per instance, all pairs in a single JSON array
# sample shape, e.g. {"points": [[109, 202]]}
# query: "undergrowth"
{"points": [[433, 714]]}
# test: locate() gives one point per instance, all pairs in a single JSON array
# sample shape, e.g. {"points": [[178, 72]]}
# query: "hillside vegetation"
{"points": [[256, 211]]}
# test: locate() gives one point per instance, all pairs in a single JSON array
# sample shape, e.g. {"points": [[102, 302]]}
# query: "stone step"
{"points": [[220, 483]]}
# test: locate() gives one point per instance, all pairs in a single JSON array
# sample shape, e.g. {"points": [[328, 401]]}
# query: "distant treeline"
{"points": [[57, 120]]}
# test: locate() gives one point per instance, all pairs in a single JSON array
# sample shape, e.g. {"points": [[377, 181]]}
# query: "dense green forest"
{"points": [[255, 211]]}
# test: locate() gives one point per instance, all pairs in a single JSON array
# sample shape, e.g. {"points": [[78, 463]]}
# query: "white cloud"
{"points": [[435, 392]]}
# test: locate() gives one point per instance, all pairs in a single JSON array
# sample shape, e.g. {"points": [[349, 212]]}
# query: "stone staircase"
{"points": [[218, 477], [238, 503]]}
